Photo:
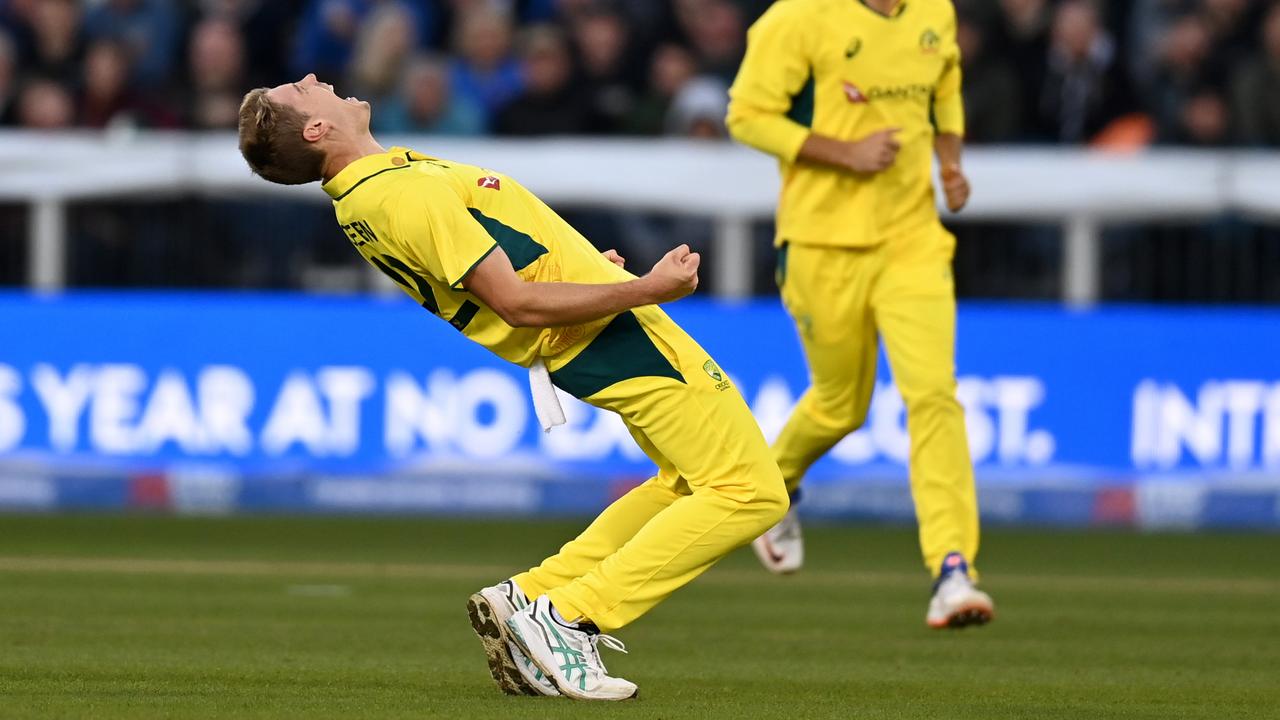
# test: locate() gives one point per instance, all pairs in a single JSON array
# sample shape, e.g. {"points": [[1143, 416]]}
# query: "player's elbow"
{"points": [[523, 318], [513, 313], [517, 308], [738, 124], [760, 130]]}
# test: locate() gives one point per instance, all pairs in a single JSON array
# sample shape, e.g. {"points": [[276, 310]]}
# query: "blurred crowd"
{"points": [[1123, 73]]}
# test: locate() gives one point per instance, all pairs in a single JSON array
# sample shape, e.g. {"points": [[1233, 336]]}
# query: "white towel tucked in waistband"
{"points": [[546, 405]]}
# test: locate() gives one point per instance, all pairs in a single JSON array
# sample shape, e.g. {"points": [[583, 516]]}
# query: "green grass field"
{"points": [[151, 617]]}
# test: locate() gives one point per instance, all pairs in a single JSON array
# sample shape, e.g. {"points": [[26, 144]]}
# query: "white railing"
{"points": [[730, 184]]}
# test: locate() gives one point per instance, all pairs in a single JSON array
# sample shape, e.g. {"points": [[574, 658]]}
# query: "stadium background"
{"points": [[1119, 154], [242, 476]]}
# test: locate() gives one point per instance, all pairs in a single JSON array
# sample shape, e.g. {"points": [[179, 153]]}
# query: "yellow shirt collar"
{"points": [[366, 167]]}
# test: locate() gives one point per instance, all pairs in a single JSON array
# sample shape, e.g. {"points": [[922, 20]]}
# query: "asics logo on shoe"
{"points": [[570, 659]]}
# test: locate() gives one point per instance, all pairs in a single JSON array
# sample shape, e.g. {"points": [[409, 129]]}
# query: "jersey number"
{"points": [[405, 276]]}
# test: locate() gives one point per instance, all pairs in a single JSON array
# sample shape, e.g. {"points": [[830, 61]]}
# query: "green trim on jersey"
{"points": [[623, 350], [522, 249], [462, 318], [458, 283], [368, 177], [780, 271], [802, 104]]}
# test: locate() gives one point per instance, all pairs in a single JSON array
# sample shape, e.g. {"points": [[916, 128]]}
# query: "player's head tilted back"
{"points": [[289, 132]]}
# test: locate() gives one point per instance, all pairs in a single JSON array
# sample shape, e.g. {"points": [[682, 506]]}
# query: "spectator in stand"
{"points": [[1021, 41], [147, 28], [383, 46], [569, 12], [266, 30], [45, 104], [1184, 68], [1203, 120], [603, 48], [1082, 90], [55, 49], [992, 96], [672, 68], [1231, 25], [484, 70], [1149, 23], [329, 29], [550, 103], [108, 99], [699, 108], [717, 33], [217, 60], [427, 104], [1042, 70], [1256, 90], [8, 79]]}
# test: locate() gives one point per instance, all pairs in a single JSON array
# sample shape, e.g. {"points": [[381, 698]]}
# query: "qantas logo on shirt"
{"points": [[853, 94], [489, 182]]}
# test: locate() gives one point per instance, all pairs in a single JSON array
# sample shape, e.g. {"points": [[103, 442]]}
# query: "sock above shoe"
{"points": [[952, 564]]}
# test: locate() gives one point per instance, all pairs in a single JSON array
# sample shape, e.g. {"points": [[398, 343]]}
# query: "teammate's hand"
{"points": [[955, 187], [674, 276], [874, 152], [613, 257]]}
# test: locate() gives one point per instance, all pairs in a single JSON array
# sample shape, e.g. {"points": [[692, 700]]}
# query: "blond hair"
{"points": [[271, 141]]}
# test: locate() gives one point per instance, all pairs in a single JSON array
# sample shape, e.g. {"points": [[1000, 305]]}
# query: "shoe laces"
{"points": [[609, 641]]}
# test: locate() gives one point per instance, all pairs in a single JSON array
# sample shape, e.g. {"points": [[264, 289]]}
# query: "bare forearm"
{"points": [[948, 147], [555, 304], [955, 186], [868, 155], [825, 150]]}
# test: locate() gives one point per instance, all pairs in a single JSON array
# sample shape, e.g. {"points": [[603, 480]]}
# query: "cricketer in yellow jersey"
{"points": [[477, 249], [854, 97]]}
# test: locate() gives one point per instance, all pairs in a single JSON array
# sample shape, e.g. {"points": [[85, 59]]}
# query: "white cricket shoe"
{"points": [[510, 668], [781, 547], [569, 655], [956, 603]]}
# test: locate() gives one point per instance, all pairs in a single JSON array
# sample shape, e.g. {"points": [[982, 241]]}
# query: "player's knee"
{"points": [[840, 413], [938, 399], [770, 499]]}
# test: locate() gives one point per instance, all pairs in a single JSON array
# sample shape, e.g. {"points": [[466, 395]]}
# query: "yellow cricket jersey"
{"points": [[427, 222], [841, 69]]}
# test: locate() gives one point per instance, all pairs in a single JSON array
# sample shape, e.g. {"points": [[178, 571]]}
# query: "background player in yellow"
{"points": [[480, 251], [854, 97]]}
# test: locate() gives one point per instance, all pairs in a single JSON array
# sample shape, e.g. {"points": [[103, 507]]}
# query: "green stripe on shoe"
{"points": [[570, 659]]}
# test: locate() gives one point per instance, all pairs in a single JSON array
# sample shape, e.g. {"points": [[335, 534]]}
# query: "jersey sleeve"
{"points": [[948, 101], [773, 73], [437, 232]]}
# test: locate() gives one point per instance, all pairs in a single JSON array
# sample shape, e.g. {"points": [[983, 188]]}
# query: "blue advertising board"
{"points": [[225, 402]]}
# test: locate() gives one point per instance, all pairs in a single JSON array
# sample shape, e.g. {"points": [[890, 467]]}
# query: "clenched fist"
{"points": [[613, 257], [874, 152], [674, 276], [955, 187]]}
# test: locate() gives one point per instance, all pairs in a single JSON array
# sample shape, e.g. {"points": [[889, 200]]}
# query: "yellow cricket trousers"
{"points": [[717, 485], [902, 291]]}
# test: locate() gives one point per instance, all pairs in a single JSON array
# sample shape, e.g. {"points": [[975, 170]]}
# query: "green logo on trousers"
{"points": [[713, 370]]}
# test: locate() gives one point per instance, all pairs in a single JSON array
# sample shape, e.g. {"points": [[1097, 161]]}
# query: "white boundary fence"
{"points": [[732, 185]]}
